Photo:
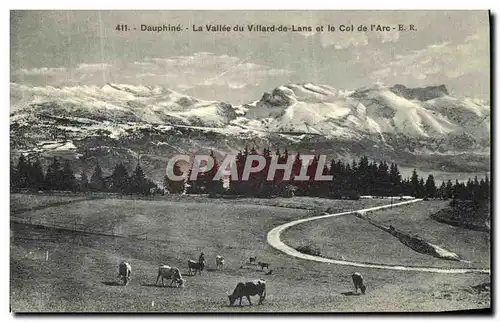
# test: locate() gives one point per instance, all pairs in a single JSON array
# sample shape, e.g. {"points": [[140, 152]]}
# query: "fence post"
{"points": [[47, 256], [157, 251]]}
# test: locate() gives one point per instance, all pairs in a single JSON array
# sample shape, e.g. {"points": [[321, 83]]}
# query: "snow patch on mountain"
{"points": [[396, 119], [115, 102]]}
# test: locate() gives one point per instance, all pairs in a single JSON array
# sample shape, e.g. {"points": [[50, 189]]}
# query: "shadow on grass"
{"points": [[351, 293], [204, 272], [243, 305], [159, 285], [112, 283]]}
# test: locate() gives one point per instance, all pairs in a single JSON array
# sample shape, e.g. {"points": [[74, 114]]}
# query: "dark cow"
{"points": [[257, 287], [263, 265], [124, 272], [194, 266], [357, 279]]}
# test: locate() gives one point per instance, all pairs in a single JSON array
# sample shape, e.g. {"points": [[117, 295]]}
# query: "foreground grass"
{"points": [[80, 272]]}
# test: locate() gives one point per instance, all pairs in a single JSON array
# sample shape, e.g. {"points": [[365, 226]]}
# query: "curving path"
{"points": [[273, 238]]}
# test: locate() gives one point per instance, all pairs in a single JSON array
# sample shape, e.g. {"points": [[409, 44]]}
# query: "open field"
{"points": [[27, 202], [472, 245], [21, 202], [79, 274], [351, 238]]}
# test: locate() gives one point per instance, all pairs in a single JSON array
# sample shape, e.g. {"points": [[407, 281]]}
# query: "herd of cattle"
{"points": [[247, 289]]}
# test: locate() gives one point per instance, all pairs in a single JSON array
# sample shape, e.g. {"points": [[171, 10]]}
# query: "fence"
{"points": [[64, 225]]}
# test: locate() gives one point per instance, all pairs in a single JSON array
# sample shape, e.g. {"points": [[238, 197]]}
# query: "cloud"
{"points": [[381, 73], [92, 67], [40, 71], [343, 40], [443, 60], [388, 36], [207, 69], [201, 69]]}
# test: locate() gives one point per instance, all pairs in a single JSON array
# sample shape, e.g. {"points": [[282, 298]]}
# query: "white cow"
{"points": [[172, 273], [219, 261], [194, 266], [124, 272]]}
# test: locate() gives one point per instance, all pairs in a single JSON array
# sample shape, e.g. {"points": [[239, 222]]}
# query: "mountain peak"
{"points": [[420, 93]]}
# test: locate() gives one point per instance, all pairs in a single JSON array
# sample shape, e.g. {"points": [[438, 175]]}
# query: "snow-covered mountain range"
{"points": [[421, 127]]}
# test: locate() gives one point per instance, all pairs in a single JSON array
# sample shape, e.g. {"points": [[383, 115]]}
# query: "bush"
{"points": [[309, 250]]}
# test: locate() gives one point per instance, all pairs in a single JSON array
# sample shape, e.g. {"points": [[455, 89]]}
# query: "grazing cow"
{"points": [[262, 265], [219, 261], [357, 279], [124, 272], [257, 287], [252, 259], [194, 266], [167, 272]]}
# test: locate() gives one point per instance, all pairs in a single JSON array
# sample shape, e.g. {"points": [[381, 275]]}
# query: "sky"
{"points": [[76, 48]]}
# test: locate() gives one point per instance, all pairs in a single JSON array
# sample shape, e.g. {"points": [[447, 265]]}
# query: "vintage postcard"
{"points": [[250, 161]]}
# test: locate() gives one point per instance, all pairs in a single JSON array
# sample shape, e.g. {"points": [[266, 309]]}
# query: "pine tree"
{"points": [[339, 181], [96, 180], [119, 180], [421, 188], [310, 186], [449, 192], [267, 186], [36, 179], [213, 187], [175, 187], [430, 187], [372, 178], [236, 185], [475, 190], [14, 178], [441, 191], [364, 175], [68, 180], [138, 182], [383, 180], [84, 182], [415, 190], [22, 172], [334, 172], [485, 189], [468, 189], [53, 178], [354, 178], [395, 178]]}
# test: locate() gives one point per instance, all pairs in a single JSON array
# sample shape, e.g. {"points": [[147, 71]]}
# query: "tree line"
{"points": [[350, 180], [60, 177]]}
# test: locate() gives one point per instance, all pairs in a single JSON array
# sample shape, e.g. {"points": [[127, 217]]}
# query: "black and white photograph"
{"points": [[250, 161]]}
